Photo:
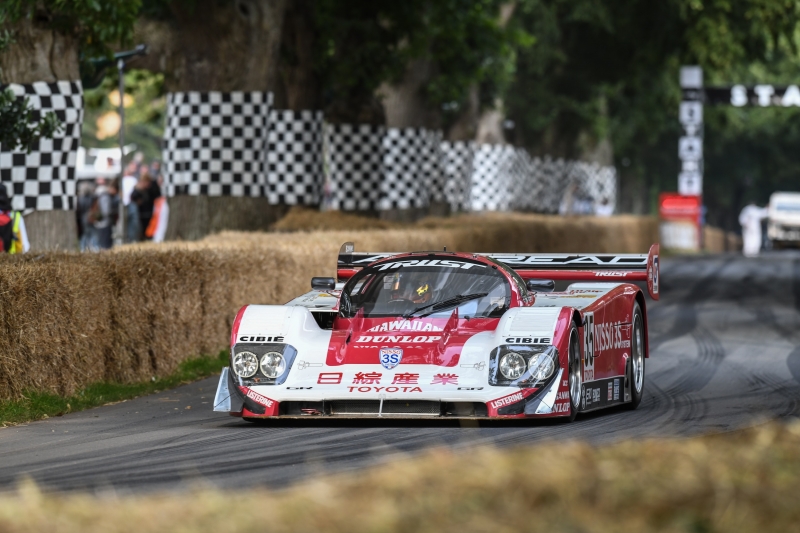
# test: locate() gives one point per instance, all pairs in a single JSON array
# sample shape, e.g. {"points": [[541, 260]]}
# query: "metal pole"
{"points": [[122, 208]]}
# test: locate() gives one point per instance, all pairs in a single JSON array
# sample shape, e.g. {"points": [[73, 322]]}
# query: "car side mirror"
{"points": [[540, 285], [323, 284]]}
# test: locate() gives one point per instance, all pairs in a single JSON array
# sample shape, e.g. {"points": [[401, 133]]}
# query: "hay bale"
{"points": [[68, 320]]}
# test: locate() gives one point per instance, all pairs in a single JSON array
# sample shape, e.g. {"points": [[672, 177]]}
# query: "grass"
{"points": [[746, 481], [37, 405]]}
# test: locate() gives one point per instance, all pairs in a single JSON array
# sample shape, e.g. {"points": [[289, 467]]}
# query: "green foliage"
{"points": [[608, 69], [363, 43], [20, 125], [144, 118], [96, 23], [37, 405]]}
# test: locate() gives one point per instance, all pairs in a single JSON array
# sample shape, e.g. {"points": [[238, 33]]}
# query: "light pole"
{"points": [[121, 58]]}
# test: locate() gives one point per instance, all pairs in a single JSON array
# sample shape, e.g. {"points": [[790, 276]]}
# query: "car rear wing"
{"points": [[565, 267]]}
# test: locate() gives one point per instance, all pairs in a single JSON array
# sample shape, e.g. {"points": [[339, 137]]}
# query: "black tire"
{"points": [[575, 373], [636, 366]]}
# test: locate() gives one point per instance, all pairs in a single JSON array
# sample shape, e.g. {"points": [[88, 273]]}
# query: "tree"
{"points": [[606, 71], [20, 125]]}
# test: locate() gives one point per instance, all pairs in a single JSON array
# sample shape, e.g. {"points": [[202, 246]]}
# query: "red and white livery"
{"points": [[443, 334]]}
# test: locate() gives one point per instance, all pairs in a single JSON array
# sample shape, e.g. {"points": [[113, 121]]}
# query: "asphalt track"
{"points": [[725, 354]]}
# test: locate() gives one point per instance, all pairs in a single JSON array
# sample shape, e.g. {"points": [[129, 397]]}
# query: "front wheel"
{"points": [[636, 374], [575, 373]]}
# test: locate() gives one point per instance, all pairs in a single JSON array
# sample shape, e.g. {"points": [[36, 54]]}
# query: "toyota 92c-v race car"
{"points": [[443, 334]]}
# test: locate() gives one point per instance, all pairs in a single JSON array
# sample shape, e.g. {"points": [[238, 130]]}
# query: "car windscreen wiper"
{"points": [[438, 306]]}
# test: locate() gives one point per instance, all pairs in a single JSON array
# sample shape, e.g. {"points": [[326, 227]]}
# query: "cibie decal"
{"points": [[449, 263], [260, 338], [390, 357], [405, 325]]}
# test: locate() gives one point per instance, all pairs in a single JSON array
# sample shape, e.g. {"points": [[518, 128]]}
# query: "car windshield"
{"points": [[427, 287]]}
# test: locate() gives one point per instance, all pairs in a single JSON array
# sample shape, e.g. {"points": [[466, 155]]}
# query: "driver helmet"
{"points": [[421, 287]]}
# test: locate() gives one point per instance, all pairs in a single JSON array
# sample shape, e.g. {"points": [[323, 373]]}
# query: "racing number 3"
{"points": [[588, 346]]}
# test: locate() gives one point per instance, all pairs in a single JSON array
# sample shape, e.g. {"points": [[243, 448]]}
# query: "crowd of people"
{"points": [[142, 205]]}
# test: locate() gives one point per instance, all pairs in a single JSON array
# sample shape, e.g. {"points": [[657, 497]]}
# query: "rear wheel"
{"points": [[575, 374], [636, 373]]}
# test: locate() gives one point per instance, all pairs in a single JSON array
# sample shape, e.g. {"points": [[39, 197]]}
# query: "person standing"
{"points": [[130, 209], [13, 235], [100, 215], [750, 218], [85, 227]]}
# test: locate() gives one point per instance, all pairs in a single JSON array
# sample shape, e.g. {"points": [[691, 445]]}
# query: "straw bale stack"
{"points": [[67, 320]]}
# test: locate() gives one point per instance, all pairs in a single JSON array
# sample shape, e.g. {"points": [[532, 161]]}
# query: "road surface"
{"points": [[725, 354]]}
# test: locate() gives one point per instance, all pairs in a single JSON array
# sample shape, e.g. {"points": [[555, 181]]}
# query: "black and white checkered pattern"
{"points": [[411, 167], [354, 163], [44, 179], [457, 171], [214, 143], [493, 178], [295, 173]]}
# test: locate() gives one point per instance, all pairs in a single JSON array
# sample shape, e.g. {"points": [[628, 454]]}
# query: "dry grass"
{"points": [[68, 320], [732, 483]]}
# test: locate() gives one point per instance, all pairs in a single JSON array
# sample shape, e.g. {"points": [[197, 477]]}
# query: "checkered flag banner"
{"points": [[214, 143], [295, 173], [354, 166], [457, 168], [412, 168], [44, 179]]}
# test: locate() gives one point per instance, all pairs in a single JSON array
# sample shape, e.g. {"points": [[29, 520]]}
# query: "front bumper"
{"points": [[409, 401]]}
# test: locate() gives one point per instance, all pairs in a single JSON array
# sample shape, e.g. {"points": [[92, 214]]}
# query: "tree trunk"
{"points": [[299, 87], [404, 103], [38, 53], [215, 45]]}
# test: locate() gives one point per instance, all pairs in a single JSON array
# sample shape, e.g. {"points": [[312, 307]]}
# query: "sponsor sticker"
{"points": [[588, 346], [528, 340], [256, 397], [610, 274], [390, 357], [405, 378], [329, 378], [400, 339], [405, 325], [367, 378], [616, 389], [445, 379], [561, 407], [563, 395], [449, 263], [261, 338], [389, 389], [507, 400], [610, 394]]}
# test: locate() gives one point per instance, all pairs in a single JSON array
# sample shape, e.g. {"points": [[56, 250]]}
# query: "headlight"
{"points": [[272, 364], [245, 364], [541, 366], [512, 365]]}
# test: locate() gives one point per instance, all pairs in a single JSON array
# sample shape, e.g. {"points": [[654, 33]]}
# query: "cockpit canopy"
{"points": [[427, 287]]}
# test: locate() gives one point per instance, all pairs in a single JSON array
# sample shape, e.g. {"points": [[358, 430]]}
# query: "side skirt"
{"points": [[604, 393]]}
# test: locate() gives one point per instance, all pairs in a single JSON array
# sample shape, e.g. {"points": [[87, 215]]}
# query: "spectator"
{"points": [[144, 195], [100, 214], [86, 233], [12, 226], [131, 208], [750, 218]]}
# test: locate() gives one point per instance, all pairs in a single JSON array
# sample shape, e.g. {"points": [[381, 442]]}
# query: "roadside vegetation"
{"points": [[736, 482], [35, 405]]}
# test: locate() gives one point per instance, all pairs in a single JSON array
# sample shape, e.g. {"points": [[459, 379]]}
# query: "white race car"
{"points": [[443, 334]]}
